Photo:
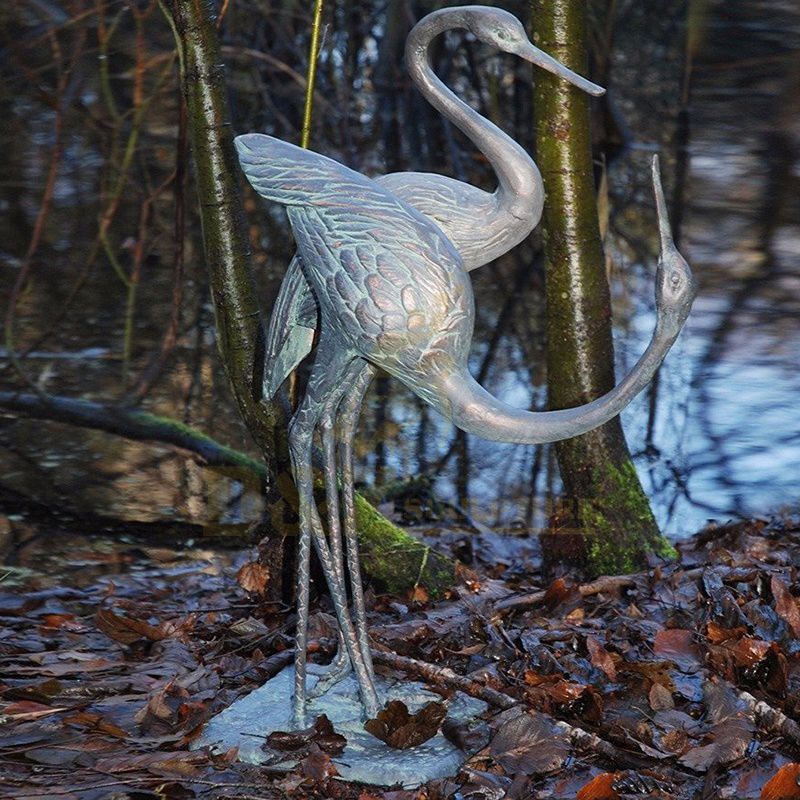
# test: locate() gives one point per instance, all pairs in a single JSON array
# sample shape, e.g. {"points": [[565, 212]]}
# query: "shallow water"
{"points": [[718, 438]]}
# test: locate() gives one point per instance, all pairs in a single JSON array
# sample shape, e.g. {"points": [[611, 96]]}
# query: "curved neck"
{"points": [[520, 182], [469, 406]]}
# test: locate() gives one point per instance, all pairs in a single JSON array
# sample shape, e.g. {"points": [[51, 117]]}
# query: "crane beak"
{"points": [[533, 54], [664, 230]]}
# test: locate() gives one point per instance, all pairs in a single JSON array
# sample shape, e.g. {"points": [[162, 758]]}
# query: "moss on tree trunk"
{"points": [[609, 522]]}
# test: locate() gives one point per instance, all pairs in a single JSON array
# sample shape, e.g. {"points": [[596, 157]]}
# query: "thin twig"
{"points": [[444, 676], [313, 56], [605, 583]]}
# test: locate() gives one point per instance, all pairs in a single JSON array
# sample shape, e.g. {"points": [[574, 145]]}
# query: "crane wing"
{"points": [[349, 204], [293, 320], [292, 324]]}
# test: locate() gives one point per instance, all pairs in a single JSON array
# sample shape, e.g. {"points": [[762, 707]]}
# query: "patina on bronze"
{"points": [[381, 271]]}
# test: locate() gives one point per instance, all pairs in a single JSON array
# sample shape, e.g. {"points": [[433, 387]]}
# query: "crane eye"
{"points": [[675, 279]]}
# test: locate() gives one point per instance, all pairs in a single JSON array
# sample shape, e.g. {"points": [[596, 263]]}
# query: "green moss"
{"points": [[392, 558], [620, 531], [395, 559]]}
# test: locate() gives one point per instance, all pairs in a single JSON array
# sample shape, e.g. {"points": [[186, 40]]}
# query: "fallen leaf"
{"points": [[317, 765], [253, 577], [660, 698], [125, 630], [467, 735], [677, 644], [164, 713], [320, 733], [54, 621], [784, 784], [395, 726], [748, 652], [26, 710], [530, 743], [601, 658], [731, 729], [418, 594], [95, 722], [178, 762], [601, 787], [557, 592], [675, 740], [717, 634], [786, 605]]}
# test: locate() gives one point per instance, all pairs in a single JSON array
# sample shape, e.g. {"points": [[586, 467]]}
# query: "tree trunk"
{"points": [[238, 319], [609, 523], [227, 251]]}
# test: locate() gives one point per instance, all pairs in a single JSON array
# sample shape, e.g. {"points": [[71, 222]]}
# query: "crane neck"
{"points": [[520, 190], [460, 398]]}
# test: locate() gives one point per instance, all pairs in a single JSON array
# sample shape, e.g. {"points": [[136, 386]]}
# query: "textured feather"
{"points": [[292, 325], [294, 177], [366, 254]]}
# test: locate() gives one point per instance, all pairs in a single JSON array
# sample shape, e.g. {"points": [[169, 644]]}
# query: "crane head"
{"points": [[675, 284], [504, 31]]}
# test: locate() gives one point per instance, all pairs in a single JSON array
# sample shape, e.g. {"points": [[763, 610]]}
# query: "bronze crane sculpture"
{"points": [[506, 215], [391, 290]]}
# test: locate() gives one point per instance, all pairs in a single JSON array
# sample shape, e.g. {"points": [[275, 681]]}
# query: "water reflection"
{"points": [[717, 436]]}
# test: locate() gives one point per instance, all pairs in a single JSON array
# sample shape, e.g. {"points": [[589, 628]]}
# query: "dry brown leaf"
{"points": [[467, 735], [748, 652], [786, 605], [784, 784], [95, 722], [180, 762], [125, 630], [530, 743], [566, 691], [395, 726], [601, 787], [660, 698], [52, 621], [320, 733], [557, 592], [25, 710], [731, 729], [253, 577], [418, 594], [601, 658], [654, 671], [317, 765], [675, 741], [675, 644], [717, 634]]}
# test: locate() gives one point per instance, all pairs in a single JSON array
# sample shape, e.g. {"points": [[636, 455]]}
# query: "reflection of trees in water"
{"points": [[737, 206], [761, 306]]}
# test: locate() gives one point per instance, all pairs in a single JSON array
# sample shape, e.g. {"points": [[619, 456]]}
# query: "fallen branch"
{"points": [[605, 583], [131, 423], [444, 676], [390, 556], [769, 719]]}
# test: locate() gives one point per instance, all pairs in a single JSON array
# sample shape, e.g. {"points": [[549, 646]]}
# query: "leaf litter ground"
{"points": [[679, 682]]}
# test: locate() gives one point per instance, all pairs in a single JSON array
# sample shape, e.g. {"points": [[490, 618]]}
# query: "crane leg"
{"points": [[327, 373], [341, 666], [349, 408], [349, 413]]}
